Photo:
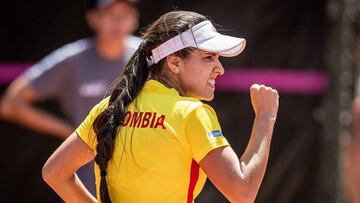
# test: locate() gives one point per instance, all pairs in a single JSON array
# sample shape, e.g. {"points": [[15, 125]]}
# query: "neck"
{"points": [[110, 49], [170, 82]]}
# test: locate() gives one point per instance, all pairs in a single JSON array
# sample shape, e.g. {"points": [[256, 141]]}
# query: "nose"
{"points": [[219, 68]]}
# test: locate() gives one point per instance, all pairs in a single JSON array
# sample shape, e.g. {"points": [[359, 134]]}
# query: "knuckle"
{"points": [[254, 86]]}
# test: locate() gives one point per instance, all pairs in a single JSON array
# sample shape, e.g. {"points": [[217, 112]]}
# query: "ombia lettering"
{"points": [[143, 120]]}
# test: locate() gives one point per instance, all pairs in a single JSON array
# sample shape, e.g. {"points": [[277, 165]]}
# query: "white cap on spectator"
{"points": [[202, 36]]}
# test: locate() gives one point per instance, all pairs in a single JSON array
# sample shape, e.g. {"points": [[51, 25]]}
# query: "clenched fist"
{"points": [[265, 101]]}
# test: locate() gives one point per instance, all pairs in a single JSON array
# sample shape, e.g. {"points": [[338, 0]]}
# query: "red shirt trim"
{"points": [[194, 176]]}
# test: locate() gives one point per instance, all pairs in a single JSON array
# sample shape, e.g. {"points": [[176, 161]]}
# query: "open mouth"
{"points": [[211, 83]]}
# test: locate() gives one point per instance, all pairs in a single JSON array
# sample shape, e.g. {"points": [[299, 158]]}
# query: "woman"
{"points": [[153, 140]]}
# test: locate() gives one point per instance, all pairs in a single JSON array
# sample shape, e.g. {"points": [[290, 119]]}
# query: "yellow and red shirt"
{"points": [[158, 146]]}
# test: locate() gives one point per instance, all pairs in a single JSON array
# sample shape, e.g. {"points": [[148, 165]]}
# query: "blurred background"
{"points": [[308, 50]]}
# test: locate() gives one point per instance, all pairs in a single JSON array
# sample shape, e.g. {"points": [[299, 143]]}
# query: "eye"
{"points": [[210, 57]]}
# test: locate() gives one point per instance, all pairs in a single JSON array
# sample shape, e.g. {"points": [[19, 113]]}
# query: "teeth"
{"points": [[211, 82]]}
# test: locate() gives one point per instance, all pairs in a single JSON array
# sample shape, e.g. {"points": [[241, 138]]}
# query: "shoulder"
{"points": [[188, 106], [69, 50], [85, 129], [59, 57], [100, 107]]}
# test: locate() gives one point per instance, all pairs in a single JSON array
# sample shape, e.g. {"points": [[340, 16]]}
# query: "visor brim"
{"points": [[226, 46]]}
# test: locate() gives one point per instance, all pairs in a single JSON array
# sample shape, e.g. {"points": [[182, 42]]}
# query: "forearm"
{"points": [[59, 170], [36, 119], [254, 160], [356, 117], [71, 189]]}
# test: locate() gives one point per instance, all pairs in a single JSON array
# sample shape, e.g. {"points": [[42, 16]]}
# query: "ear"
{"points": [[91, 18], [136, 21], [175, 63]]}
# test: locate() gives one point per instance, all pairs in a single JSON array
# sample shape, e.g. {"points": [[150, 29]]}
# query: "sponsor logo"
{"points": [[93, 88], [215, 133]]}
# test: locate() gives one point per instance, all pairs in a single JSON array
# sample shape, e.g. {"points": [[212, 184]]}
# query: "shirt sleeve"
{"points": [[51, 74], [47, 77], [203, 132], [85, 130]]}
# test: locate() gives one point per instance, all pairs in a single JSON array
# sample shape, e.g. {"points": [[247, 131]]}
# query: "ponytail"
{"points": [[106, 123]]}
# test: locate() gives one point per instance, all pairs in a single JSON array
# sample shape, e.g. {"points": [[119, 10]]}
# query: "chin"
{"points": [[207, 98], [204, 96]]}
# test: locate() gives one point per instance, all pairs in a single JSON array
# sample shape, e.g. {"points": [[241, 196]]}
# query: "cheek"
{"points": [[110, 29], [102, 25], [195, 78], [128, 26], [122, 27]]}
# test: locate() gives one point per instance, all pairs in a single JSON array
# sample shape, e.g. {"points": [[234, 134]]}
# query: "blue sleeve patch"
{"points": [[215, 133]]}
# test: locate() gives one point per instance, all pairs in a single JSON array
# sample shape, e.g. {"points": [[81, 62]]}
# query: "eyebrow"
{"points": [[210, 53]]}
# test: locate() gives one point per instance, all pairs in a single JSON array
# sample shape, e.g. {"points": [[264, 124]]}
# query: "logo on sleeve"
{"points": [[215, 133]]}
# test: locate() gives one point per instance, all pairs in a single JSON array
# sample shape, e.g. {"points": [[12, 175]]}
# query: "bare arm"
{"points": [[16, 106], [240, 180], [356, 117], [59, 170]]}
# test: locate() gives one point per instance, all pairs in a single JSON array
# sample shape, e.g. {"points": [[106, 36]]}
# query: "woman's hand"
{"points": [[265, 101]]}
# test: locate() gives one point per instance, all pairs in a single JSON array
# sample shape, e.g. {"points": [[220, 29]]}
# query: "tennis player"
{"points": [[152, 139]]}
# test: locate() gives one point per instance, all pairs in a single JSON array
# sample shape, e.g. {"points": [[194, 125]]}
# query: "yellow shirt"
{"points": [[158, 146]]}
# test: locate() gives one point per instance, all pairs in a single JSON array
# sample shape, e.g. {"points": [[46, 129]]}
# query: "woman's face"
{"points": [[198, 74]]}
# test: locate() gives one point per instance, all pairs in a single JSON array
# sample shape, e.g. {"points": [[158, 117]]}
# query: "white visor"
{"points": [[202, 36]]}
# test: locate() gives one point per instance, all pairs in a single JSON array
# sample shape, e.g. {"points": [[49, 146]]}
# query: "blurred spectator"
{"points": [[77, 75], [352, 145], [352, 157]]}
